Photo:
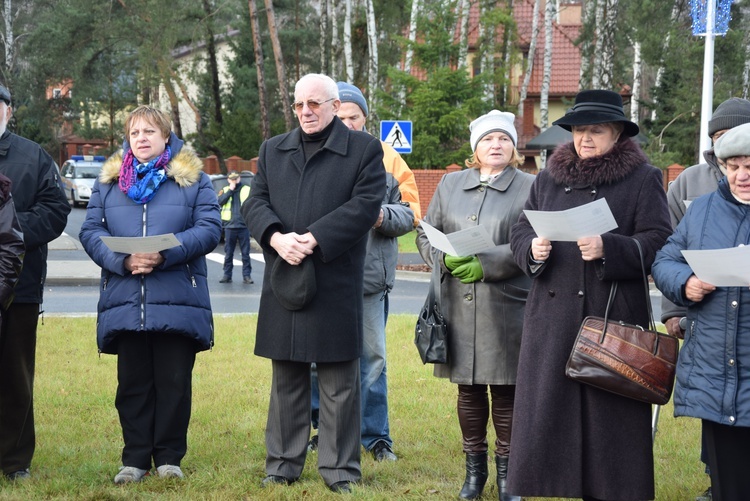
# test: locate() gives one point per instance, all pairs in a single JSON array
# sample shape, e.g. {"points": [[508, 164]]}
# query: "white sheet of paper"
{"points": [[721, 267], [466, 242], [134, 245], [588, 220]]}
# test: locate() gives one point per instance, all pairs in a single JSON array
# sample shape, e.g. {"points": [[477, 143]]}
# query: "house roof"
{"points": [[566, 57]]}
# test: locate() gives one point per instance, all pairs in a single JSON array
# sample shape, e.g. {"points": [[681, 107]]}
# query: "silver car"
{"points": [[78, 175]]}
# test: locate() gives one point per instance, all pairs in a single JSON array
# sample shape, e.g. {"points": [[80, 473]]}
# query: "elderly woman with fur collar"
{"points": [[571, 440], [154, 309]]}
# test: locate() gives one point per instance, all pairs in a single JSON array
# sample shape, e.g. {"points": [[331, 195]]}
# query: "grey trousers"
{"points": [[288, 426]]}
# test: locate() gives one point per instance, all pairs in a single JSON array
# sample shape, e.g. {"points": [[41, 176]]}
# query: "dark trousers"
{"points": [[232, 237], [728, 459], [474, 412], [154, 395], [17, 352], [288, 426]]}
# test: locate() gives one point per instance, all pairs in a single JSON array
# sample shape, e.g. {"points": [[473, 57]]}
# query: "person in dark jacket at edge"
{"points": [[154, 308], [42, 211], [231, 198], [689, 185], [316, 195]]}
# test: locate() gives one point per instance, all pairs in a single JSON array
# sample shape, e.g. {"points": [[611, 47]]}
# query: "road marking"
{"points": [[219, 258]]}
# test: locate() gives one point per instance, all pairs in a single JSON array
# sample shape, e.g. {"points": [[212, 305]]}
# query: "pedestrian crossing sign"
{"points": [[397, 133]]}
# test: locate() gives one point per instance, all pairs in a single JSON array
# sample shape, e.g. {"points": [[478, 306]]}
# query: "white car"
{"points": [[78, 175]]}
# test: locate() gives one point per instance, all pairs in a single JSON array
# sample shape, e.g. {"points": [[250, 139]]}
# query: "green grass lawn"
{"points": [[79, 441], [407, 243]]}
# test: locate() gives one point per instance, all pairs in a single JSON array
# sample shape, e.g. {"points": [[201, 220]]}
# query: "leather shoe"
{"points": [[341, 487], [225, 280], [276, 479], [247, 280], [381, 451], [18, 475]]}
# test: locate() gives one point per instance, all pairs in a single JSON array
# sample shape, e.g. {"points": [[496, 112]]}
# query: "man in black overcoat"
{"points": [[316, 195]]}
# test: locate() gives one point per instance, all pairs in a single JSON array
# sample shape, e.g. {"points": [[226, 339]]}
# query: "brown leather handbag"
{"points": [[625, 359]]}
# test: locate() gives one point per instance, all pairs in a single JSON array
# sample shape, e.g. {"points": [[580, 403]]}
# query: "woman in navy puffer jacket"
{"points": [[154, 309], [713, 372]]}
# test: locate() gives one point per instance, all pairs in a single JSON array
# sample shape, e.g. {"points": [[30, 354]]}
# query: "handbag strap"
{"points": [[613, 292], [434, 293], [652, 324]]}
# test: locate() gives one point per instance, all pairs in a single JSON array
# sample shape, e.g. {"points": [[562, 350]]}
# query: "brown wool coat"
{"points": [[569, 439]]}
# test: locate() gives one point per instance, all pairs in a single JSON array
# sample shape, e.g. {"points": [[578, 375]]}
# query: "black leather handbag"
{"points": [[431, 331]]}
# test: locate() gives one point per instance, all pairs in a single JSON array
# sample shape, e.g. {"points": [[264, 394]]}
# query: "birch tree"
{"points": [[286, 105], [348, 41], [665, 47], [635, 101], [408, 56], [530, 57], [324, 36], [260, 72], [487, 63], [598, 44], [549, 15], [608, 32], [463, 51], [588, 18], [372, 39]]}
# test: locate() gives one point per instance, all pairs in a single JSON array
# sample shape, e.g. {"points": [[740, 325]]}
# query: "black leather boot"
{"points": [[502, 480], [476, 475]]}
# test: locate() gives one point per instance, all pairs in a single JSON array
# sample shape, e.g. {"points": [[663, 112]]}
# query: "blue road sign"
{"points": [[397, 133]]}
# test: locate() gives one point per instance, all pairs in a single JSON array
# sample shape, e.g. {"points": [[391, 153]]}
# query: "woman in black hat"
{"points": [[572, 440]]}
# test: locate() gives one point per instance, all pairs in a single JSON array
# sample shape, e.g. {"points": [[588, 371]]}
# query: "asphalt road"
{"points": [[233, 298]]}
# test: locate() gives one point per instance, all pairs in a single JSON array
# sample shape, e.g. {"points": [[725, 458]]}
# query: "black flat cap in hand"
{"points": [[293, 286]]}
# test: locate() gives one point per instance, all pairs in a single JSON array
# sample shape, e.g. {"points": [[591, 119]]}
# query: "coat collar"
{"points": [[184, 168], [500, 183], [566, 167], [337, 142], [5, 140]]}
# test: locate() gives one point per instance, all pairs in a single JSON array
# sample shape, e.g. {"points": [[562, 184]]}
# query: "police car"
{"points": [[78, 175]]}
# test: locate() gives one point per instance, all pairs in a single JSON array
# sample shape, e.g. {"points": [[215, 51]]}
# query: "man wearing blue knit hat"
{"points": [[399, 213]]}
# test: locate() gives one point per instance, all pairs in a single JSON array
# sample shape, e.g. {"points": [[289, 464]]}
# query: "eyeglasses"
{"points": [[313, 105]]}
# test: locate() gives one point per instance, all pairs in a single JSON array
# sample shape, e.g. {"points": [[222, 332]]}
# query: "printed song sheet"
{"points": [[588, 220], [721, 267], [143, 245], [466, 242]]}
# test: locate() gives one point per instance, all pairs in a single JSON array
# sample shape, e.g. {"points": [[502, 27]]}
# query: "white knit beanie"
{"points": [[494, 121]]}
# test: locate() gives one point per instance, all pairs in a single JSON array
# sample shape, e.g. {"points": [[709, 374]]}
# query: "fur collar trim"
{"points": [[566, 167], [185, 168]]}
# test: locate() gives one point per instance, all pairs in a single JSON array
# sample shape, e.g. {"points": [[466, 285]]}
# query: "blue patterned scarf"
{"points": [[140, 182]]}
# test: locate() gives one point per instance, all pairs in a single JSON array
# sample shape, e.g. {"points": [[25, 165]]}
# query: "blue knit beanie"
{"points": [[348, 93]]}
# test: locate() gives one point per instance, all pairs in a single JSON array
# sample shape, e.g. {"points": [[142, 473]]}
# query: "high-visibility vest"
{"points": [[226, 210]]}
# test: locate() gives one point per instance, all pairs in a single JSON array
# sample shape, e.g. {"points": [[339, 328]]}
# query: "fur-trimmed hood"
{"points": [[566, 167], [184, 167]]}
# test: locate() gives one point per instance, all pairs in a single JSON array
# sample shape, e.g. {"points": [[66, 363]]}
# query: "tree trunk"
{"points": [[324, 36], [635, 101], [608, 45], [463, 45], [213, 63], [529, 58], [549, 15], [8, 39], [286, 105], [507, 51], [588, 18], [664, 49], [746, 70], [265, 123], [598, 45], [487, 65], [372, 37], [409, 49], [336, 66], [348, 42]]}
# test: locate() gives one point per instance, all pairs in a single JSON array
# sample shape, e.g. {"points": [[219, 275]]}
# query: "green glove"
{"points": [[469, 272], [452, 262]]}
